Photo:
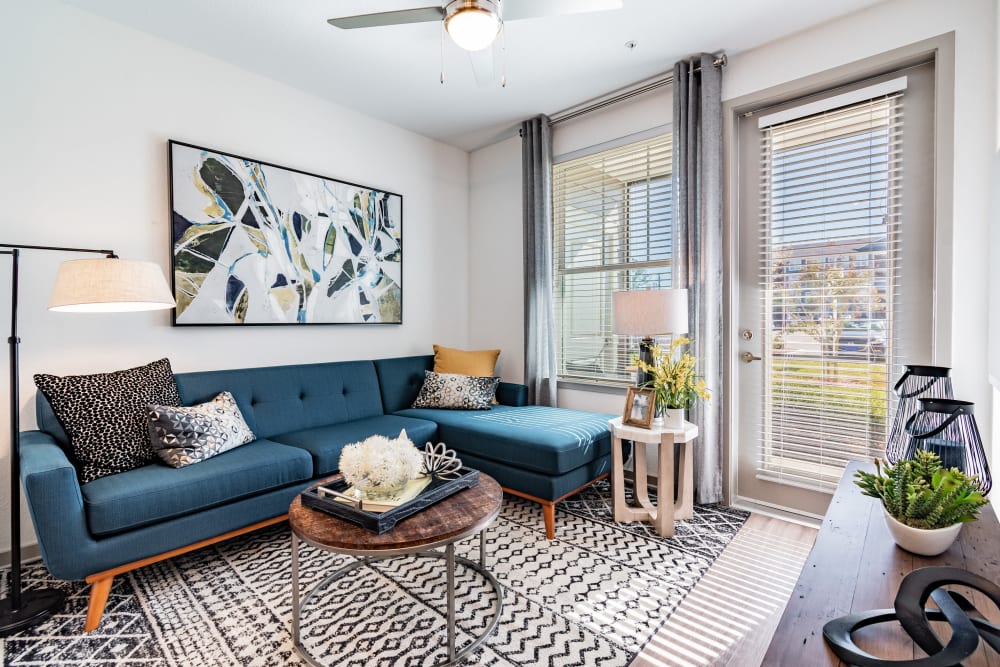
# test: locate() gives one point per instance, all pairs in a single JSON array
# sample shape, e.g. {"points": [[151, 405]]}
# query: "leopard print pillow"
{"points": [[452, 391], [104, 415]]}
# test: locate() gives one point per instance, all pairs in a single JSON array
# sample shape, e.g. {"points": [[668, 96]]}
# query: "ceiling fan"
{"points": [[474, 24]]}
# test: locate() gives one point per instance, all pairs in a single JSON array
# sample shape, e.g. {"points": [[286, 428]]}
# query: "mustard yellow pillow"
{"points": [[478, 363]]}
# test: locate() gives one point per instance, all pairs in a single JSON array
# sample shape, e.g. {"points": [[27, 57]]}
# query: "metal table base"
{"points": [[454, 654]]}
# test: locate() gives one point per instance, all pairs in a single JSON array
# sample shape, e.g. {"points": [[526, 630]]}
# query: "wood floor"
{"points": [[728, 618]]}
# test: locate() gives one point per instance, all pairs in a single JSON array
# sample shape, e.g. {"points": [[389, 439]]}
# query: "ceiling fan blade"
{"points": [[419, 15], [484, 65], [531, 9]]}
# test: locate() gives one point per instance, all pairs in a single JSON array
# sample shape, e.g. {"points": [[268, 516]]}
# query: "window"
{"points": [[612, 227], [829, 261]]}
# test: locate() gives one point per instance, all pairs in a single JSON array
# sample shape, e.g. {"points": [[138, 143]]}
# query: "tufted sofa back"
{"points": [[274, 399], [400, 380], [281, 399]]}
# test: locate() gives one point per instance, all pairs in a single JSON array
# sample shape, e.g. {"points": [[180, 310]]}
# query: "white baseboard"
{"points": [[774, 511]]}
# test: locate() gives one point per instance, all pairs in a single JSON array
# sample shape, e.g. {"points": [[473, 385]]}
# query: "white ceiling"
{"points": [[392, 72]]}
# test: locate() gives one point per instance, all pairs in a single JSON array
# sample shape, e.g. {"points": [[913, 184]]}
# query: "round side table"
{"points": [[443, 524]]}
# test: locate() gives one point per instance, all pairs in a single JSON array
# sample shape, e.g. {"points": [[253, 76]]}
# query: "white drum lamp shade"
{"points": [[650, 313], [110, 285]]}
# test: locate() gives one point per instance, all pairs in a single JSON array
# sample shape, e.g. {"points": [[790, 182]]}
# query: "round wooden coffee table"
{"points": [[443, 524]]}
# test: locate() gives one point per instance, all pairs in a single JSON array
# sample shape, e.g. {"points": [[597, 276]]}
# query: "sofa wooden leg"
{"points": [[99, 590], [549, 506], [549, 512]]}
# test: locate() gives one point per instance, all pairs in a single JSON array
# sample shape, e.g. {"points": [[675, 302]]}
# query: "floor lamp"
{"points": [[85, 285]]}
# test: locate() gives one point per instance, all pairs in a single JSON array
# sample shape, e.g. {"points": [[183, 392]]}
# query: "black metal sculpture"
{"points": [[967, 624]]}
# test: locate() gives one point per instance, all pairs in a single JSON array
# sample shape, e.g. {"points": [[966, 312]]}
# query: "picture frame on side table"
{"points": [[640, 405], [254, 243]]}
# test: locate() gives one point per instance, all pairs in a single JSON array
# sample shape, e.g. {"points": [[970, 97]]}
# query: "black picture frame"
{"points": [[254, 243]]}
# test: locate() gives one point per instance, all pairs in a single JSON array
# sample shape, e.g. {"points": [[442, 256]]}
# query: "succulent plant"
{"points": [[922, 494]]}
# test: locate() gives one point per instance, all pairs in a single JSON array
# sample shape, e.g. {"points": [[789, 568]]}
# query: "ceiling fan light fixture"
{"points": [[472, 24]]}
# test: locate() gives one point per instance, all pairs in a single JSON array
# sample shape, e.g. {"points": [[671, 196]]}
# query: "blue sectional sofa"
{"points": [[302, 416]]}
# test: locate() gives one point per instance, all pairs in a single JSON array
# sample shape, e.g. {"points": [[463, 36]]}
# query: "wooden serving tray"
{"points": [[381, 522]]}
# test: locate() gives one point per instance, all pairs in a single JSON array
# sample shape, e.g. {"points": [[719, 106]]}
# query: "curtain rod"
{"points": [[627, 93]]}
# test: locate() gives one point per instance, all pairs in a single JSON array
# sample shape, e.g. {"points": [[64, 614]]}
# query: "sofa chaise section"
{"points": [[539, 453]]}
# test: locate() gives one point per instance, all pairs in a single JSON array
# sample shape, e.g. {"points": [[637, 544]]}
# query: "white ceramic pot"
{"points": [[919, 540], [673, 418]]}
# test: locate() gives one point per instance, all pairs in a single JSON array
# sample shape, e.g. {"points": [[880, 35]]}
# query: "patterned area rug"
{"points": [[593, 596]]}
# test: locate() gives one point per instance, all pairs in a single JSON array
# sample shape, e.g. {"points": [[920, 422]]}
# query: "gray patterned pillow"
{"points": [[456, 392], [104, 415], [182, 436]]}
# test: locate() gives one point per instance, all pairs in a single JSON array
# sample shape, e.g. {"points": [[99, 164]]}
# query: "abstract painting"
{"points": [[255, 243]]}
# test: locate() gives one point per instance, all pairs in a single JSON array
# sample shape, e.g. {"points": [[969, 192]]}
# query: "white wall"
{"points": [[651, 110], [88, 108], [496, 236], [994, 329], [878, 29]]}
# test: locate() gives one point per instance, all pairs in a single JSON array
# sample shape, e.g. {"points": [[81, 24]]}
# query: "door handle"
{"points": [[748, 357]]}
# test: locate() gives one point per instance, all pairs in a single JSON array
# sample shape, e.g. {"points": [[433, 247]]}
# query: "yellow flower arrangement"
{"points": [[674, 382]]}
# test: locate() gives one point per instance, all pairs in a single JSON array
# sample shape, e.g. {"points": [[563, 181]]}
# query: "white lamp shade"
{"points": [[109, 286], [473, 29], [650, 312]]}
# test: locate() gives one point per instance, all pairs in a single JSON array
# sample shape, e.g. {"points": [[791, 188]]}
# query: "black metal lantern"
{"points": [[917, 382], [948, 428]]}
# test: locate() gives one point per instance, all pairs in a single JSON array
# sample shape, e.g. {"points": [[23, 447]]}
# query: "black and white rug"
{"points": [[593, 596]]}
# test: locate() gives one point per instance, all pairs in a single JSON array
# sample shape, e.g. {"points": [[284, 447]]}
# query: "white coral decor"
{"points": [[378, 461]]}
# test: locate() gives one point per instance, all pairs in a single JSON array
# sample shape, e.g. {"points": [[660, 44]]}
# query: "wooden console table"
{"points": [[855, 566]]}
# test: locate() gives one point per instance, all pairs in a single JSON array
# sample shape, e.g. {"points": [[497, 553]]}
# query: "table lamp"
{"points": [[649, 313], [89, 286]]}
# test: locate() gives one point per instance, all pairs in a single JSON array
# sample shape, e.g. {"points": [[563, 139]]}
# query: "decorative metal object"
{"points": [[967, 624], [948, 428], [915, 383], [441, 462]]}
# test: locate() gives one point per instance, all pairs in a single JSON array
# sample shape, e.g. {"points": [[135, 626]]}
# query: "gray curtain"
{"points": [[539, 318], [698, 247]]}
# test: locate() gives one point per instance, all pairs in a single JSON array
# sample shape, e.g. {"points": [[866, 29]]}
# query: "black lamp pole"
{"points": [[23, 609]]}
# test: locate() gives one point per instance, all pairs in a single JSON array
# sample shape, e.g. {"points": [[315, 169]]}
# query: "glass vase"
{"points": [[382, 492]]}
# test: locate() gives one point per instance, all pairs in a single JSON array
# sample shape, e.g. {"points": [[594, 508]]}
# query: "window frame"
{"points": [[614, 262]]}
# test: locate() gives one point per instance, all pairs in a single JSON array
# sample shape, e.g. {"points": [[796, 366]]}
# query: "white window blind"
{"points": [[612, 230], [829, 259]]}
